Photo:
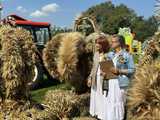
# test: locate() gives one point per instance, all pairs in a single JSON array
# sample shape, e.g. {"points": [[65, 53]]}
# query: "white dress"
{"points": [[92, 109], [97, 98], [114, 102]]}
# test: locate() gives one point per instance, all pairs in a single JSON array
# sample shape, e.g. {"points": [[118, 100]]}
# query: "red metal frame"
{"points": [[21, 21]]}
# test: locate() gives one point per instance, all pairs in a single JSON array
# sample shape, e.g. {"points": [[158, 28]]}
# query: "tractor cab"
{"points": [[40, 30], [41, 34]]}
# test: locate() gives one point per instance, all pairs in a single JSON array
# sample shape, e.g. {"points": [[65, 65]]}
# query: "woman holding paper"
{"points": [[96, 79], [124, 69]]}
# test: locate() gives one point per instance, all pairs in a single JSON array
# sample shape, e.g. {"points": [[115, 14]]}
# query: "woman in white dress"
{"points": [[96, 79], [114, 102]]}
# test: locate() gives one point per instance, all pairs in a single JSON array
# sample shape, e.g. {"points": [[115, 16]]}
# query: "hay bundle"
{"points": [[144, 94], [151, 51], [18, 59], [58, 105], [29, 114], [11, 109], [68, 54], [50, 55], [84, 103], [73, 61], [63, 104]]}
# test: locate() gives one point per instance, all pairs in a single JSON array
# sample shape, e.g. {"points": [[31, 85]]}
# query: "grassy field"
{"points": [[38, 95]]}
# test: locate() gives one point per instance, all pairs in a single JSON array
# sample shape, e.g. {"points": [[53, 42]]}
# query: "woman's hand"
{"points": [[115, 70], [103, 73]]}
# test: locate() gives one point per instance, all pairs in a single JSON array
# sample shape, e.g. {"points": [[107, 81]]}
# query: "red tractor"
{"points": [[40, 30], [41, 33]]}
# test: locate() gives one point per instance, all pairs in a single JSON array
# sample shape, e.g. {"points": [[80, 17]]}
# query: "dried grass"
{"points": [[18, 59], [144, 94], [151, 51], [50, 54], [65, 104], [73, 61], [61, 103]]}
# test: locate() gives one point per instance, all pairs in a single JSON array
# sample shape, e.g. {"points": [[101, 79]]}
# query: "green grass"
{"points": [[38, 95]]}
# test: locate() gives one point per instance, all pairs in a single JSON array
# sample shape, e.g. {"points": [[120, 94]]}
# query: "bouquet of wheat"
{"points": [[18, 59], [144, 92]]}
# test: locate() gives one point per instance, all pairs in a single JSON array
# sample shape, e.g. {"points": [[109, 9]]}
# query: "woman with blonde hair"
{"points": [[123, 68]]}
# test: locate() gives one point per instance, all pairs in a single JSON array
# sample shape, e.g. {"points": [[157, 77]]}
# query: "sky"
{"points": [[63, 12]]}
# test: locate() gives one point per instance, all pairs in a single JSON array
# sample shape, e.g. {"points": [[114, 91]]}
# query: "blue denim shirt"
{"points": [[123, 60]]}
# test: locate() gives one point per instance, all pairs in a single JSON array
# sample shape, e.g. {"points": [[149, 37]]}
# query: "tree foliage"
{"points": [[55, 30], [110, 17]]}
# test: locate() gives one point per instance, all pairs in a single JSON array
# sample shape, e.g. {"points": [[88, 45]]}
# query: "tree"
{"points": [[110, 18], [55, 30]]}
